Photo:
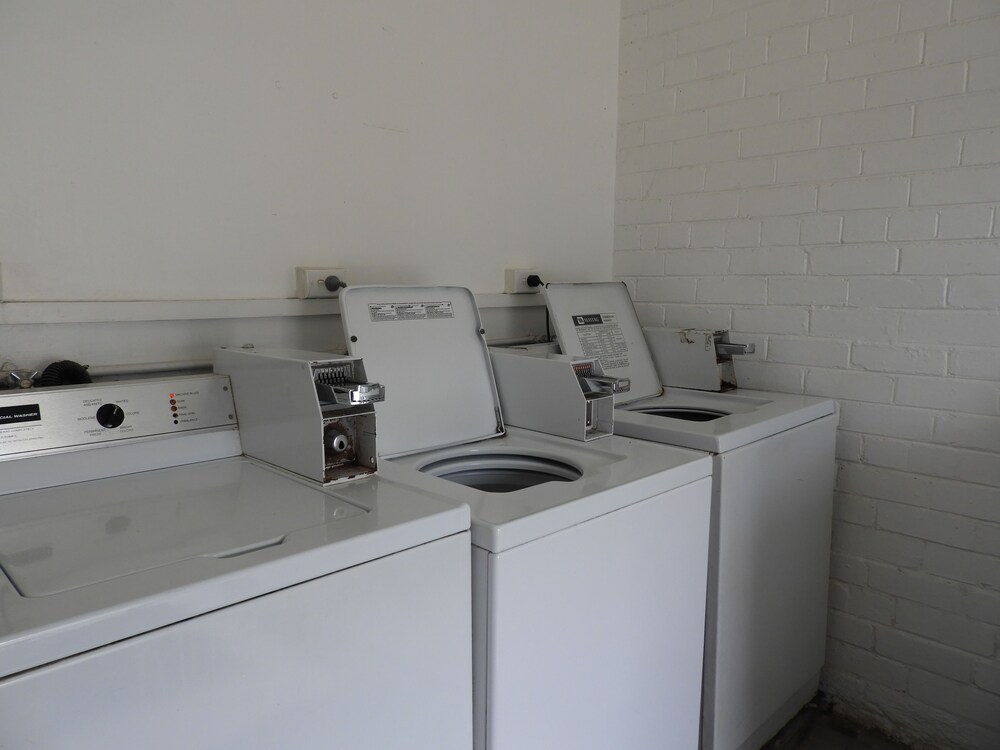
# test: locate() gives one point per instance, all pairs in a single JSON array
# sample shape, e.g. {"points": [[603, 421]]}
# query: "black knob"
{"points": [[110, 415]]}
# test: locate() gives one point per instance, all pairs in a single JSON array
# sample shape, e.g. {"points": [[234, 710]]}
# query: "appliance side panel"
{"points": [[540, 394], [278, 410], [480, 633], [768, 625], [596, 631], [375, 657], [711, 615]]}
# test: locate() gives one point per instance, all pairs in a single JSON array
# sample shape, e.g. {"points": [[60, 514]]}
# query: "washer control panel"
{"points": [[45, 419]]}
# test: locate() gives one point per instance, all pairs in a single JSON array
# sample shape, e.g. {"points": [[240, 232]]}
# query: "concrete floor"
{"points": [[815, 728]]}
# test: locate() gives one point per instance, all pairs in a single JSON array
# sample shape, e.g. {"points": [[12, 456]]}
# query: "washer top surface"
{"points": [[610, 473], [716, 422], [64, 538], [90, 563]]}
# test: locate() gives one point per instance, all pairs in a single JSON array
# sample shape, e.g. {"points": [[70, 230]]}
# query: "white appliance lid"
{"points": [[64, 538], [427, 346], [598, 320]]}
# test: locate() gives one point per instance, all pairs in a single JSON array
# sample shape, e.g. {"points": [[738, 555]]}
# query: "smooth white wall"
{"points": [[198, 150], [822, 177]]}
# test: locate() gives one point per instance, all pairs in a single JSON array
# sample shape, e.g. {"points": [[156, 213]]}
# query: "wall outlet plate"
{"points": [[310, 282], [515, 281]]}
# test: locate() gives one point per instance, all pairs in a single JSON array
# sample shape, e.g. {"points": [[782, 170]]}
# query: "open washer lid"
{"points": [[598, 320], [427, 346]]}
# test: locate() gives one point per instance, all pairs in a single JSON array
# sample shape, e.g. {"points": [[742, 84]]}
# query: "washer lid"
{"points": [[95, 562], [65, 538], [426, 345], [598, 320]]}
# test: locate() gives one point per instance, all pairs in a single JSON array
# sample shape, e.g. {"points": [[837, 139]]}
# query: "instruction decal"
{"points": [[601, 338], [382, 311]]}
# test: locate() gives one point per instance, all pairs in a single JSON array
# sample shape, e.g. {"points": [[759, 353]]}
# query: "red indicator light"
{"points": [[171, 395]]}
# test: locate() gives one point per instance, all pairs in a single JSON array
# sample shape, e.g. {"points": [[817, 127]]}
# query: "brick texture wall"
{"points": [[822, 177]]}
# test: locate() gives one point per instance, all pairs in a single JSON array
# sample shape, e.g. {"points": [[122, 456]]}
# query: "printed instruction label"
{"points": [[379, 311], [15, 441], [601, 338]]}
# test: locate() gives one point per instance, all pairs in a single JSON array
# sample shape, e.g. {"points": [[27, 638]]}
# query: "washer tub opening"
{"points": [[689, 413], [501, 472]]}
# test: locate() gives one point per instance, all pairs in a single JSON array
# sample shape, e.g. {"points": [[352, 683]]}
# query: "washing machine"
{"points": [[160, 590], [589, 558], [774, 469]]}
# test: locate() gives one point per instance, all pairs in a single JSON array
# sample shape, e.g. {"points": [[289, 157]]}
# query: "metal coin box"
{"points": [[556, 394], [311, 413]]}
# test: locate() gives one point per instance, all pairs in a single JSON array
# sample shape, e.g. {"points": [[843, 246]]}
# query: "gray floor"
{"points": [[815, 728]]}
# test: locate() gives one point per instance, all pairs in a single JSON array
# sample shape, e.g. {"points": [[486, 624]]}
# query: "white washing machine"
{"points": [[589, 559], [159, 590], [774, 471]]}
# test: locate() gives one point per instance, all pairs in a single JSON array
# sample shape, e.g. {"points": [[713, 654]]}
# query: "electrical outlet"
{"points": [[311, 282], [515, 281]]}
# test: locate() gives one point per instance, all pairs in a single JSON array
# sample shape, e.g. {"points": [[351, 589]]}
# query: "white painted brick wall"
{"points": [[896, 358], [913, 225], [848, 260], [968, 185], [798, 135], [871, 192], [772, 261], [981, 147], [912, 84], [865, 226], [827, 98], [809, 351], [778, 200], [806, 290], [965, 222], [820, 229], [739, 174], [934, 152], [826, 164], [877, 419], [823, 177], [897, 291]]}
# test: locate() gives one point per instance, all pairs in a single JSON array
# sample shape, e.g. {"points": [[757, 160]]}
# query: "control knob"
{"points": [[110, 415]]}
